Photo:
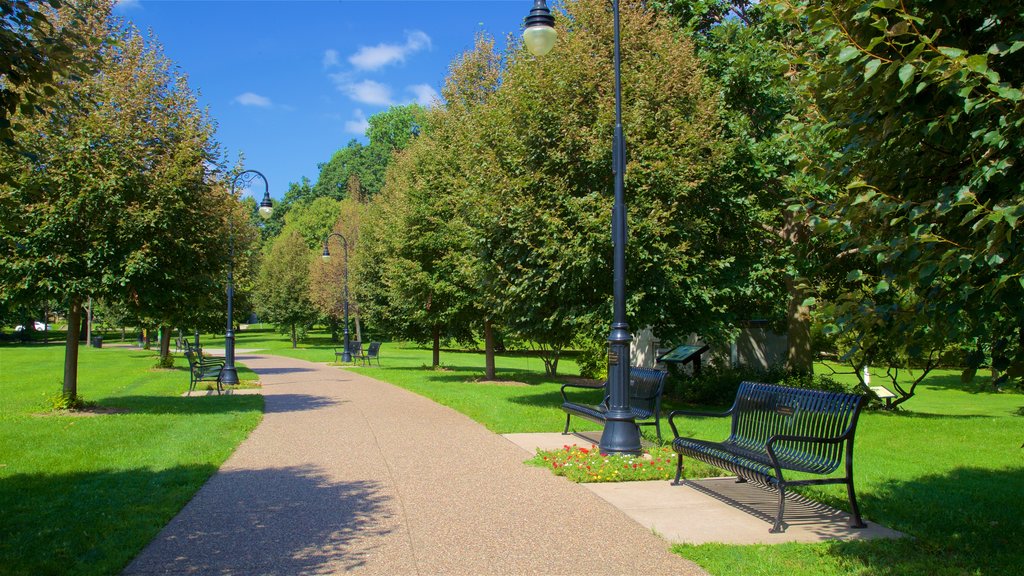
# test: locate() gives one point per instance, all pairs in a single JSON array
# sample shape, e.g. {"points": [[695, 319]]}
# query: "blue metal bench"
{"points": [[646, 387], [776, 428]]}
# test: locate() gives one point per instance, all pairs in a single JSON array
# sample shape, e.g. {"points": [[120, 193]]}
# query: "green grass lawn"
{"points": [[84, 494], [947, 470]]}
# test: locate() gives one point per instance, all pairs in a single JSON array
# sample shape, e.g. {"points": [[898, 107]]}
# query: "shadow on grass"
{"points": [[281, 521], [970, 518], [185, 404]]}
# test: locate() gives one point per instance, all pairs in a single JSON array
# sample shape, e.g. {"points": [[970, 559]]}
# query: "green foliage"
{"points": [[109, 197], [37, 55], [64, 402], [313, 220], [717, 385], [923, 104], [283, 289], [165, 362]]}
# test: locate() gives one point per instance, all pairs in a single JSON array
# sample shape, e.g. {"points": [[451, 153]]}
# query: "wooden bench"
{"points": [[203, 370], [776, 428], [646, 387]]}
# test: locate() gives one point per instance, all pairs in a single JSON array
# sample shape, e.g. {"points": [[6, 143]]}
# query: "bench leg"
{"points": [[566, 431], [855, 521], [679, 470], [778, 527], [657, 427]]}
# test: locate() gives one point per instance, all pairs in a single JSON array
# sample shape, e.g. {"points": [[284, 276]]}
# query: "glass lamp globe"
{"points": [[539, 39]]}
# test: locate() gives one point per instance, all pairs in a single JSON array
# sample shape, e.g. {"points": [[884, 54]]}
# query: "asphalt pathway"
{"points": [[350, 474]]}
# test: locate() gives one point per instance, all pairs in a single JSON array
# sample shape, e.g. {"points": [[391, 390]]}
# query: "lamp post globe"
{"points": [[346, 355], [621, 434], [229, 374]]}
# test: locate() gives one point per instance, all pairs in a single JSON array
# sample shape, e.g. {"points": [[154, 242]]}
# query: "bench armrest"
{"points": [[580, 386], [694, 413]]}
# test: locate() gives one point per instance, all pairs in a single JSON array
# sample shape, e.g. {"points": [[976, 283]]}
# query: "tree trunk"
{"points": [[71, 349], [359, 329], [165, 344], [489, 349], [437, 346], [295, 338], [799, 357]]}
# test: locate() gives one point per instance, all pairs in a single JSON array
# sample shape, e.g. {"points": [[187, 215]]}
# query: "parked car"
{"points": [[37, 326]]}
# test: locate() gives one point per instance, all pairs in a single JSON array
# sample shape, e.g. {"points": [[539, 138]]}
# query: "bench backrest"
{"points": [[646, 386], [191, 357], [765, 410], [355, 347], [372, 351]]}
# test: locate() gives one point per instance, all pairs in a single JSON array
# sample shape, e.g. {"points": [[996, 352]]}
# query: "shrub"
{"points": [[717, 385]]}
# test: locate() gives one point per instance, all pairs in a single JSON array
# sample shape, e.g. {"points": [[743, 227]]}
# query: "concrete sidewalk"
{"points": [[713, 509], [346, 473]]}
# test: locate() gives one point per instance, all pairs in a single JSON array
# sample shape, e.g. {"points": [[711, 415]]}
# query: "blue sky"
{"points": [[289, 83]]}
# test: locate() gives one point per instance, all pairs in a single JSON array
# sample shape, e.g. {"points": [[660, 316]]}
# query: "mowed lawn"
{"points": [[947, 470], [84, 494]]}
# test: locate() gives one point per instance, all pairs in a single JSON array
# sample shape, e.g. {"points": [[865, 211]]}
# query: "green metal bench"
{"points": [[203, 370], [776, 428], [646, 387], [370, 354]]}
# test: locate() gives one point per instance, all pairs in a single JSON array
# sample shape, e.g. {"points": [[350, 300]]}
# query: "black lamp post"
{"points": [[621, 434], [346, 355], [229, 375]]}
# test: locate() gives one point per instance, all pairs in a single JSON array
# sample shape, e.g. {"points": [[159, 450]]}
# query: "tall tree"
{"points": [[84, 216], [923, 104], [693, 250], [283, 289]]}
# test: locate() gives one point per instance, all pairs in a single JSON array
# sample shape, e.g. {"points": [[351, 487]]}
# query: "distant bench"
{"points": [[646, 387], [776, 428]]}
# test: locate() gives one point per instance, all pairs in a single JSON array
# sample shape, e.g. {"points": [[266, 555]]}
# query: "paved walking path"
{"points": [[346, 473]]}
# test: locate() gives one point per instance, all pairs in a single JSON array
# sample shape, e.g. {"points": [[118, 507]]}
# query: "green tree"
{"points": [[85, 215], [283, 289], [922, 104], [693, 250]]}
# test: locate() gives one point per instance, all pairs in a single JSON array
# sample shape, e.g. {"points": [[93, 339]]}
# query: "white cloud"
{"points": [[330, 58], [358, 124], [381, 55], [425, 94], [368, 92], [252, 99], [127, 4]]}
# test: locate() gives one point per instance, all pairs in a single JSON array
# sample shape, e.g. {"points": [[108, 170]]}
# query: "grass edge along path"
{"points": [[84, 494]]}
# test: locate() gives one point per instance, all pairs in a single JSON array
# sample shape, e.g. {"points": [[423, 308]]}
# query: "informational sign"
{"points": [[684, 354]]}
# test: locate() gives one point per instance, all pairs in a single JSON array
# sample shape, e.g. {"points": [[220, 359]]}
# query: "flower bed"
{"points": [[582, 464]]}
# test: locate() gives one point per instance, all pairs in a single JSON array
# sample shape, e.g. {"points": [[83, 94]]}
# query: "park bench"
{"points": [[776, 428], [203, 370], [646, 387], [371, 353], [355, 350]]}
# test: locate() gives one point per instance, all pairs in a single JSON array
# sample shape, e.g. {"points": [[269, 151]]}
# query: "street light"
{"points": [[621, 434], [229, 375], [346, 355]]}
